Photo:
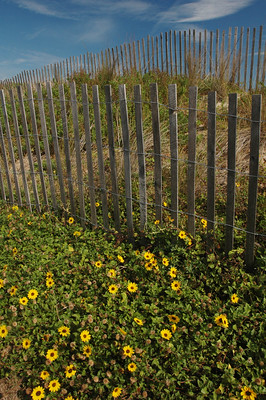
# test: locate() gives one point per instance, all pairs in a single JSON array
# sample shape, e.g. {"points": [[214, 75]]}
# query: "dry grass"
{"points": [[9, 388]]}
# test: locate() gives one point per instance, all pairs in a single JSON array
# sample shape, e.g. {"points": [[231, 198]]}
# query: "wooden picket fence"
{"points": [[230, 57], [40, 134]]}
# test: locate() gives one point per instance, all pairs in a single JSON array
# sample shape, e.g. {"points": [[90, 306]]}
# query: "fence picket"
{"points": [[6, 166], [211, 155], [253, 178], [192, 134], [252, 59], [127, 165], [110, 128], [231, 175], [172, 101], [258, 64]]}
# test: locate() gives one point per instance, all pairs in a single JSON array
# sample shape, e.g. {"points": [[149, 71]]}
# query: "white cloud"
{"points": [[132, 7], [97, 30], [44, 8], [202, 10]]}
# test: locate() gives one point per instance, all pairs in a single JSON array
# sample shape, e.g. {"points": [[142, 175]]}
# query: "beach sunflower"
{"points": [[148, 266], [38, 393], [70, 371], [116, 392], [165, 262], [85, 336], [77, 233], [132, 287], [175, 285], [1, 283], [128, 351], [3, 331], [234, 298], [44, 375], [113, 289], [138, 321], [32, 294], [98, 264], [204, 222], [173, 318], [23, 300], [182, 234], [166, 334], [248, 394], [49, 282], [69, 397], [120, 259], [148, 255], [221, 320], [64, 331], [13, 290], [132, 367], [51, 355], [26, 343], [70, 220], [111, 273], [87, 350], [54, 385]]}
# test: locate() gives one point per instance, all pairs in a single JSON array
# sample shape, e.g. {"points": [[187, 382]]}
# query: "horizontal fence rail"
{"points": [[102, 161], [237, 56]]}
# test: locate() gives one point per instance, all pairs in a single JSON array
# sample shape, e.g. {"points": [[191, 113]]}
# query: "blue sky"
{"points": [[35, 33]]}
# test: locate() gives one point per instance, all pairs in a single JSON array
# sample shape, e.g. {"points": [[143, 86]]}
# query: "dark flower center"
{"points": [[248, 393], [38, 393]]}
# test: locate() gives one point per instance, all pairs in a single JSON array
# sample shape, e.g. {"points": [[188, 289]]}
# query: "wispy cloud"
{"points": [[97, 30], [202, 10], [44, 8], [131, 7]]}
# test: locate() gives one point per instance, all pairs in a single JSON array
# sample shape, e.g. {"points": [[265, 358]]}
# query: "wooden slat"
{"points": [[175, 48], [173, 130], [199, 57], [211, 155], [185, 52], [67, 149], [97, 117], [6, 166], [127, 164], [234, 66], [210, 67], [27, 140], [55, 142], [252, 59], [117, 60], [161, 48], [10, 146], [110, 127], [180, 52], [2, 187], [246, 59], [126, 58], [170, 53], [264, 65], [134, 56], [157, 150], [87, 128], [191, 171], [141, 157], [19, 147], [139, 55], [148, 53], [152, 53], [253, 178], [216, 52], [36, 142], [122, 59], [259, 53], [166, 52], [157, 53], [222, 58], [143, 56], [231, 175], [46, 145], [130, 56], [239, 57], [74, 107]]}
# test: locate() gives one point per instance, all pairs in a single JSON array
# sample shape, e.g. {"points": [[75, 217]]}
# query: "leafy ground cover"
{"points": [[88, 315]]}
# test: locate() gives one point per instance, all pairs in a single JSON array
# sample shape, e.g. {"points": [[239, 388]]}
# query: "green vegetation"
{"points": [[87, 315]]}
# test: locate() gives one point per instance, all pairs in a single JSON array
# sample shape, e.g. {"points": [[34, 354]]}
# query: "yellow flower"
{"points": [[204, 222], [85, 336], [116, 392], [49, 282], [148, 255], [49, 275], [64, 331], [70, 220], [70, 371], [69, 397], [32, 294], [157, 222], [148, 266], [122, 331], [51, 355], [97, 204], [26, 343], [13, 290], [164, 204], [173, 328], [132, 367], [222, 321], [15, 208], [3, 331], [137, 252], [189, 242], [165, 261], [175, 285], [248, 393], [54, 385], [1, 283], [120, 259], [173, 272], [182, 234], [98, 264], [113, 289], [132, 287], [44, 375], [138, 321], [38, 393], [128, 351], [15, 250], [173, 318], [77, 233], [111, 273], [87, 350], [237, 184], [166, 334], [234, 298]]}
